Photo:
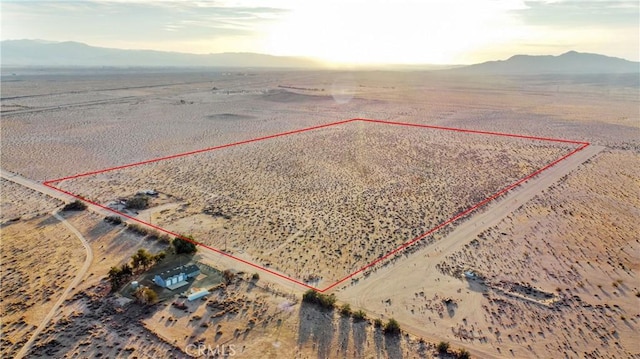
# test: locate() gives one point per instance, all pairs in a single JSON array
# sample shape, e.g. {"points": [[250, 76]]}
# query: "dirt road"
{"points": [[36, 186], [417, 272]]}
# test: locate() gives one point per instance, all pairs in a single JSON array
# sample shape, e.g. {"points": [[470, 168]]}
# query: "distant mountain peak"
{"points": [[571, 62], [571, 53]]}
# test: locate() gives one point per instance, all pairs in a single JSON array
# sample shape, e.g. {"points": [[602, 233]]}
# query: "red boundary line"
{"points": [[378, 260]]}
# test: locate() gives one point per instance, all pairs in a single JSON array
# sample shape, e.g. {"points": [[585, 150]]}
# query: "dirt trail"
{"points": [[79, 276], [40, 187], [36, 186]]}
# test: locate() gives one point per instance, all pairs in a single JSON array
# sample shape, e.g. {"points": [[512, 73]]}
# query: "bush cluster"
{"points": [[115, 220], [138, 202], [138, 229], [345, 310], [392, 327], [443, 348], [322, 300], [146, 295], [76, 205], [140, 260], [359, 316]]}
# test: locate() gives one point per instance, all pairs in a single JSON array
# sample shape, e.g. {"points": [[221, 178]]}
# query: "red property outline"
{"points": [[462, 214]]}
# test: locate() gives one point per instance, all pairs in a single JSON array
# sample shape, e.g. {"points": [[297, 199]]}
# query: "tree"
{"points": [[126, 270], [159, 257], [184, 246], [138, 202], [142, 258], [118, 275], [443, 347], [146, 295], [392, 327], [463, 354], [115, 276]]}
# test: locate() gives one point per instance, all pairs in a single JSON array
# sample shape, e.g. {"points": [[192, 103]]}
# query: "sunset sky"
{"points": [[344, 31]]}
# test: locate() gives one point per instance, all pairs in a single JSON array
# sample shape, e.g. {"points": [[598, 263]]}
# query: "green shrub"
{"points": [[345, 310], [377, 323], [392, 327], [359, 316], [323, 300]]}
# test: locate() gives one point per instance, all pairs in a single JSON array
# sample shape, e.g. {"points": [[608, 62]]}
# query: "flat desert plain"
{"points": [[319, 205], [547, 270]]}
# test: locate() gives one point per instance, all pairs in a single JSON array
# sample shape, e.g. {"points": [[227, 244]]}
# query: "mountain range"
{"points": [[571, 62], [69, 54]]}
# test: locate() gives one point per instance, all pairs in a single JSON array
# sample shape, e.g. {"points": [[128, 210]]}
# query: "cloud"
{"points": [[578, 13], [134, 20]]}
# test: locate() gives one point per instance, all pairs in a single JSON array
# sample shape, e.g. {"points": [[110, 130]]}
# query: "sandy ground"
{"points": [[87, 315], [566, 261], [40, 257], [79, 275], [537, 273], [257, 321], [23, 203], [152, 121], [318, 213]]}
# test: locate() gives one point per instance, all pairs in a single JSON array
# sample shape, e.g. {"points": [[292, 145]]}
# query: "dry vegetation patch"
{"points": [[578, 242], [322, 204], [19, 202], [40, 257]]}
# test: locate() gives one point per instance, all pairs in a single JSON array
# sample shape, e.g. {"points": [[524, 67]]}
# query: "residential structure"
{"points": [[176, 277]]}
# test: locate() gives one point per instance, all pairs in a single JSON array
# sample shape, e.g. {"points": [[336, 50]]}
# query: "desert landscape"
{"points": [[318, 213], [549, 269]]}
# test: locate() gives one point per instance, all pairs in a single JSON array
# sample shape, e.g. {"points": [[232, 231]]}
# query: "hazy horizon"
{"points": [[320, 61], [405, 32]]}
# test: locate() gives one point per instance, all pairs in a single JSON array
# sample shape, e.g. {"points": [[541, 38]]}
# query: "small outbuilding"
{"points": [[197, 295]]}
